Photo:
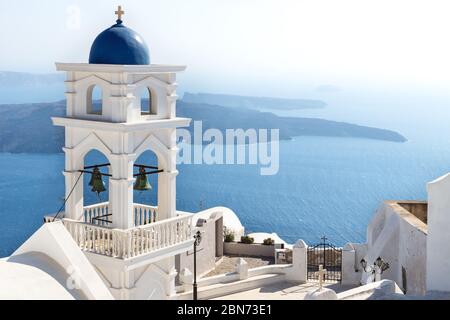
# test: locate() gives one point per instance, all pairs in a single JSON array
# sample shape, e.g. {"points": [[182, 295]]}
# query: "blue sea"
{"points": [[325, 186]]}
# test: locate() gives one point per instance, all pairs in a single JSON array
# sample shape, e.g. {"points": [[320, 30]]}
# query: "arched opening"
{"points": [[148, 102], [94, 100], [145, 189], [95, 198]]}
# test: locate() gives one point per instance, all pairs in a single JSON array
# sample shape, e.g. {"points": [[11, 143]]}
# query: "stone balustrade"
{"points": [[124, 244], [100, 214], [144, 214]]}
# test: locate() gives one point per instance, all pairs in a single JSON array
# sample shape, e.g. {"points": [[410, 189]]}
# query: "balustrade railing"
{"points": [[92, 238], [131, 242], [144, 214], [98, 214]]}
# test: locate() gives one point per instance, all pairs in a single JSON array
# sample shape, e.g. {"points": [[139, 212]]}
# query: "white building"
{"points": [[412, 236]]}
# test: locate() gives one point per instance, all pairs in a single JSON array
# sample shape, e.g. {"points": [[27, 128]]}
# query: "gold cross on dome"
{"points": [[119, 13]]}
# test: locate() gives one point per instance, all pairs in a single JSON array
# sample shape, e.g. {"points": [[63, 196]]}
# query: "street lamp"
{"points": [[364, 264], [379, 266], [198, 239]]}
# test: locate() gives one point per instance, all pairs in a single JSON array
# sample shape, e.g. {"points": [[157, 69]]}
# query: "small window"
{"points": [[94, 100], [148, 103]]}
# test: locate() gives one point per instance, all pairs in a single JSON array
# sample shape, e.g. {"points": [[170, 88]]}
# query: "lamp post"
{"points": [[379, 266], [198, 239]]}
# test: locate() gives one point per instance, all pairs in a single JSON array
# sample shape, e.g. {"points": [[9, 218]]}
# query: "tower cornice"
{"points": [[122, 126], [115, 68]]}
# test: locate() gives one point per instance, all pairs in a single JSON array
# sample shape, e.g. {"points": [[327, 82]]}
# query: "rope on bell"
{"points": [[65, 200]]}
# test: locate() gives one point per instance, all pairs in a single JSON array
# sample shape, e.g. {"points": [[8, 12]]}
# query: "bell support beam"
{"points": [[147, 173], [97, 166], [92, 172]]}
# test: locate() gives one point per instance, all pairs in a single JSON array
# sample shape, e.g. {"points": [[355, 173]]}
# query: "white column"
{"points": [[167, 195], [122, 206], [167, 186], [74, 204], [121, 191]]}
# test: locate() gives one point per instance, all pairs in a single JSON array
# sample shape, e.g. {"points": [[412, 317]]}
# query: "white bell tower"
{"points": [[121, 131], [134, 248]]}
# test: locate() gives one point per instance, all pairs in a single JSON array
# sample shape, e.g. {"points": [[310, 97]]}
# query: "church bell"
{"points": [[96, 181], [142, 183]]}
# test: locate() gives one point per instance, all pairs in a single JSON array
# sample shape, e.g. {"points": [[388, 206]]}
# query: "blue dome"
{"points": [[119, 45]]}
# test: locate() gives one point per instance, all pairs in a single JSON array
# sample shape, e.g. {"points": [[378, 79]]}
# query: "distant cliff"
{"points": [[28, 128], [235, 101], [216, 116]]}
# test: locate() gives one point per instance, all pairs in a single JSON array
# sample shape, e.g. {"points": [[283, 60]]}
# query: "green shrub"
{"points": [[247, 239], [228, 235], [268, 242]]}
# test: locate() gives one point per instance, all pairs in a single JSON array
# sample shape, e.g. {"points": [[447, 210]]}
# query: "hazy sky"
{"points": [[247, 46]]}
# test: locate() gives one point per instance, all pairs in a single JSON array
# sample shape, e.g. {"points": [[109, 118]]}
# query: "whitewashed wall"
{"points": [[438, 246], [399, 238]]}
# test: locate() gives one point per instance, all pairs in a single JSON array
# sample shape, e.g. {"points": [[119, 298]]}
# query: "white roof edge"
{"points": [[150, 68]]}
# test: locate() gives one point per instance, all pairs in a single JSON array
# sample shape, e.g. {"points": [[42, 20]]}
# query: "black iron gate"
{"points": [[329, 257]]}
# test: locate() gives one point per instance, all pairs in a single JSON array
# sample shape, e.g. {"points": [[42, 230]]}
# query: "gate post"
{"points": [[298, 272], [350, 266]]}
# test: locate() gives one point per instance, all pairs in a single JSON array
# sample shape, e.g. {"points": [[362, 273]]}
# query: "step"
{"points": [[223, 289]]}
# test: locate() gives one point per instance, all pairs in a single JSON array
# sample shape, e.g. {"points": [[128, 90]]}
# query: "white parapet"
{"points": [[53, 240]]}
